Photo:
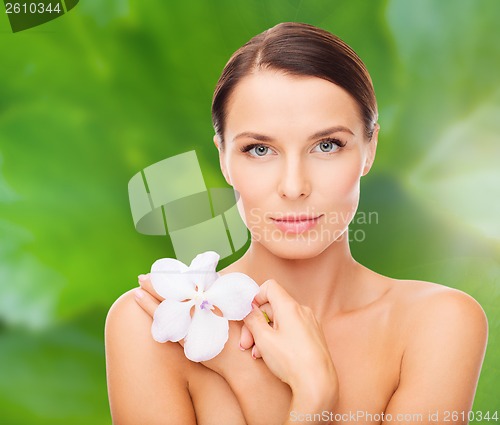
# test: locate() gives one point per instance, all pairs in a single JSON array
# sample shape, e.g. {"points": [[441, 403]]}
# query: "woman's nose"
{"points": [[294, 181]]}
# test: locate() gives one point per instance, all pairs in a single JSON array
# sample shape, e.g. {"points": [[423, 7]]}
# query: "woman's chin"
{"points": [[295, 249]]}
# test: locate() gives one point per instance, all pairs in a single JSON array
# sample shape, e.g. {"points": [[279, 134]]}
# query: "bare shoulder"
{"points": [[414, 302], [439, 319], [130, 324], [426, 302], [147, 381], [444, 330]]}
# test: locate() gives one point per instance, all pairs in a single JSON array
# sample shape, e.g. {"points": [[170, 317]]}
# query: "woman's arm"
{"points": [[289, 348], [442, 360], [145, 379], [292, 385], [243, 374]]}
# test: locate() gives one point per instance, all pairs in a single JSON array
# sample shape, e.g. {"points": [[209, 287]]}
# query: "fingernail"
{"points": [[139, 293], [241, 348], [253, 353], [142, 277]]}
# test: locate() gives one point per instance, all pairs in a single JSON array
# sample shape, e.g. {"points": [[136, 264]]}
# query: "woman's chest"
{"points": [[367, 357], [367, 352]]}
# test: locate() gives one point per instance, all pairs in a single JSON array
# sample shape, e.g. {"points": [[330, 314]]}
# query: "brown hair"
{"points": [[302, 50]]}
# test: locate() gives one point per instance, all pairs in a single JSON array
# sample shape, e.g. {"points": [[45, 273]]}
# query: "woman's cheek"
{"points": [[253, 187], [340, 178], [341, 189]]}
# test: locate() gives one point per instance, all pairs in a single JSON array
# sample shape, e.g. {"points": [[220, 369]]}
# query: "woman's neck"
{"points": [[329, 283]]}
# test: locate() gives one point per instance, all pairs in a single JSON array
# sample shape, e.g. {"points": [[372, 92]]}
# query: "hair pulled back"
{"points": [[301, 50]]}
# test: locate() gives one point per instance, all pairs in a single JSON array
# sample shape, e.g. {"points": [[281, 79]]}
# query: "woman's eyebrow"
{"points": [[331, 130], [317, 135], [252, 135]]}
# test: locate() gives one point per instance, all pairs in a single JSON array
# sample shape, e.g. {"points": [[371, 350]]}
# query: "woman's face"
{"points": [[294, 150]]}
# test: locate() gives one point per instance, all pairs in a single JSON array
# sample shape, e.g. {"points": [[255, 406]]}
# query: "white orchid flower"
{"points": [[200, 286]]}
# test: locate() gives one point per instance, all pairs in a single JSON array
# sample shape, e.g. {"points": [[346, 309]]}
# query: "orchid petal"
{"points": [[202, 269], [206, 336], [171, 320], [169, 265], [205, 261], [171, 279], [233, 293], [203, 280]]}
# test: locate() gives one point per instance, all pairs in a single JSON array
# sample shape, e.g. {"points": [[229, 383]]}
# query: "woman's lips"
{"points": [[297, 224]]}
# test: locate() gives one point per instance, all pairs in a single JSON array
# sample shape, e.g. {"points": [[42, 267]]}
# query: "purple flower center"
{"points": [[205, 305]]}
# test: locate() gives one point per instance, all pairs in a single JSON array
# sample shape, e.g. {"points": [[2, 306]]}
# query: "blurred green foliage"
{"points": [[93, 97]]}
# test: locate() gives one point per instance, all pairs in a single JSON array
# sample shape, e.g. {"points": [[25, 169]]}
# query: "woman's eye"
{"points": [[261, 150], [327, 146], [257, 150]]}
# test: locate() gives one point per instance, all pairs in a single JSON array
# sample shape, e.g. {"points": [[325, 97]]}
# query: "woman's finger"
{"points": [[272, 293], [146, 301], [146, 285], [256, 353], [246, 338], [257, 323], [266, 308]]}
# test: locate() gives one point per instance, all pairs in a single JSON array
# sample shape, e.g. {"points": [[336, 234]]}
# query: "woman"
{"points": [[296, 127]]}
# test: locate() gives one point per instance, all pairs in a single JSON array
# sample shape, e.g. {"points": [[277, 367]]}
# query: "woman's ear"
{"points": [[371, 150], [222, 159]]}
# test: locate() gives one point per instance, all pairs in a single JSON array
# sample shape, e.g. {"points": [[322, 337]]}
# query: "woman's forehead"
{"points": [[270, 100]]}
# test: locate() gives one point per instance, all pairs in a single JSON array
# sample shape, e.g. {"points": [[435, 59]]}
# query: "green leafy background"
{"points": [[93, 97]]}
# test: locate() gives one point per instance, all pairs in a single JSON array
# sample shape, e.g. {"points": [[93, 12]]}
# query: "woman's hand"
{"points": [[294, 347], [146, 296]]}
